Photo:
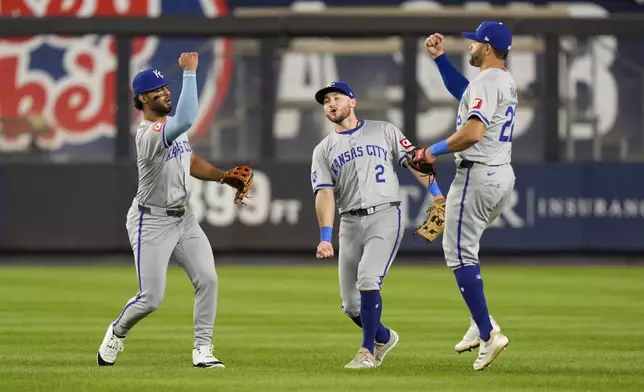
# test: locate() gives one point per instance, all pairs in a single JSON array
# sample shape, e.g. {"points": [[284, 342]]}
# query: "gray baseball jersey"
{"points": [[164, 170], [492, 97], [484, 179], [157, 237], [360, 167]]}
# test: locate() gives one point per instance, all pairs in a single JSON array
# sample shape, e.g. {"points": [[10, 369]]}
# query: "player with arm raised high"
{"points": [[354, 167], [159, 224], [482, 145]]}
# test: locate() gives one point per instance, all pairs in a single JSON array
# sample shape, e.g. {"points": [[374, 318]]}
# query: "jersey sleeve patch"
{"points": [[477, 104], [159, 126], [405, 143], [320, 174]]}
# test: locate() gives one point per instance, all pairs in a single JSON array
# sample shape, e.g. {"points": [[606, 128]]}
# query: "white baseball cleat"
{"points": [[471, 340], [202, 357], [110, 348], [489, 350], [381, 349], [363, 360]]}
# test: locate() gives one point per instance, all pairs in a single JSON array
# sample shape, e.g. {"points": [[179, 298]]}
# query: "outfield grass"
{"points": [[281, 329]]}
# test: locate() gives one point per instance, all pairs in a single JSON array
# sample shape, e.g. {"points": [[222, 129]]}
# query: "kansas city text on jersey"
{"points": [[357, 152], [177, 148]]}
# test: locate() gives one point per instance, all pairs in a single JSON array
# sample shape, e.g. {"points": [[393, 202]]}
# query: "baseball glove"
{"points": [[239, 177], [435, 222], [415, 159]]}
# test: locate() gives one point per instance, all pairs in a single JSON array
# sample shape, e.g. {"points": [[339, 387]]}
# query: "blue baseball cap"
{"points": [[493, 33], [339, 87], [148, 80]]}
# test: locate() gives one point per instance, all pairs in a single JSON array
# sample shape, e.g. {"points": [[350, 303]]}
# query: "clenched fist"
{"points": [[189, 61], [325, 250], [435, 45]]}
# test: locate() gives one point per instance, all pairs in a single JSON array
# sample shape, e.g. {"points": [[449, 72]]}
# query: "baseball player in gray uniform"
{"points": [[354, 167], [159, 225], [484, 179]]}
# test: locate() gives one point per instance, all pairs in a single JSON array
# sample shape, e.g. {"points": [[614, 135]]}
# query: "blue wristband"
{"points": [[325, 233], [439, 148], [434, 189]]}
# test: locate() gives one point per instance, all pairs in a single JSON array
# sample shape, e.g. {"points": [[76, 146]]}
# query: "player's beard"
{"points": [[340, 115], [159, 108], [476, 59]]}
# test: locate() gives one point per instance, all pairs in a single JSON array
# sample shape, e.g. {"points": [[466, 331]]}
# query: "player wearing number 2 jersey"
{"points": [[355, 167], [482, 146]]}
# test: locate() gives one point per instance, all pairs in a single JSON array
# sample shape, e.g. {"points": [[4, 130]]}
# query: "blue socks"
{"points": [[470, 284], [370, 312], [382, 334]]}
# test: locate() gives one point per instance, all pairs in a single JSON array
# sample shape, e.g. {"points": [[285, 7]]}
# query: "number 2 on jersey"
{"points": [[380, 170], [508, 124]]}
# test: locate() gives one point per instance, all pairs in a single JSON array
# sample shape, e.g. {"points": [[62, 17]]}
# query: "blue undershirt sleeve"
{"points": [[454, 81]]}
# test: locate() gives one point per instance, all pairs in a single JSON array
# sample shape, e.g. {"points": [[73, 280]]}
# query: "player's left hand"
{"points": [[325, 250]]}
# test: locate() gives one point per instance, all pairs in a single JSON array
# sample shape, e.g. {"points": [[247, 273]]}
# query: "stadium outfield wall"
{"points": [[573, 207]]}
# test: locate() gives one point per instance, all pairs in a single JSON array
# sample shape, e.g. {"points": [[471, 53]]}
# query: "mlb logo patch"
{"points": [[477, 103]]}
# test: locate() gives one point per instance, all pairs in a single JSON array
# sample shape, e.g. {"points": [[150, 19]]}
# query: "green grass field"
{"points": [[281, 329]]}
